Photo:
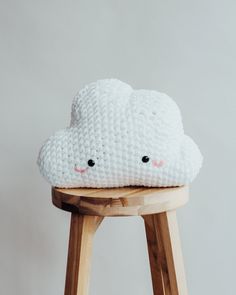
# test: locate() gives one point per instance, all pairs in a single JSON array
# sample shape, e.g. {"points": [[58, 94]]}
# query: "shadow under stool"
{"points": [[157, 206]]}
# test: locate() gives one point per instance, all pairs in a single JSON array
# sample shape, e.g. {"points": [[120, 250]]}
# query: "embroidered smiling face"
{"points": [[119, 137], [91, 163]]}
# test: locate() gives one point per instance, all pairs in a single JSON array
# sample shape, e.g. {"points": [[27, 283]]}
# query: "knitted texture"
{"points": [[120, 137]]}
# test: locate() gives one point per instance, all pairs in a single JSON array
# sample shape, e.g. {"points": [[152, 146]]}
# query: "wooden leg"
{"points": [[165, 255], [82, 230]]}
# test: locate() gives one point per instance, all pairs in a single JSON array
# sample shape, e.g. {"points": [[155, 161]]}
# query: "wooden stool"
{"points": [[156, 206]]}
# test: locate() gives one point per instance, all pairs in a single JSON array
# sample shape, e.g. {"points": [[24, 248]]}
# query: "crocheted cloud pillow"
{"points": [[120, 137]]}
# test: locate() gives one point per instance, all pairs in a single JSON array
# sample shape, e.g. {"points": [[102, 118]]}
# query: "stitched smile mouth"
{"points": [[81, 170]]}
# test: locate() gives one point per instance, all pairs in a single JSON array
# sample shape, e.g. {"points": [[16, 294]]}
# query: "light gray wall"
{"points": [[49, 50]]}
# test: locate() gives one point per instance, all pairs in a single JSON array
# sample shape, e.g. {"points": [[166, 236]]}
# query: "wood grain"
{"points": [[82, 230], [165, 255], [126, 201]]}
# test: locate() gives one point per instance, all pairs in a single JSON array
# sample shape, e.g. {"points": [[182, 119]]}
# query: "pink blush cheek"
{"points": [[158, 164], [80, 170], [161, 163]]}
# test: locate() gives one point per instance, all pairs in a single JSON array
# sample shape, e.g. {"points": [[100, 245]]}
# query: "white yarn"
{"points": [[116, 126]]}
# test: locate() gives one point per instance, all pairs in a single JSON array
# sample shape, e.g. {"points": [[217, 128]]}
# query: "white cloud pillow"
{"points": [[118, 137]]}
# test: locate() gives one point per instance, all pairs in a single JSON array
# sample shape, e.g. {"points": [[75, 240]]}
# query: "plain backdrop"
{"points": [[48, 51]]}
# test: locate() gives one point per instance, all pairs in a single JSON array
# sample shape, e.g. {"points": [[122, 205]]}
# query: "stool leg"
{"points": [[165, 255], [82, 230]]}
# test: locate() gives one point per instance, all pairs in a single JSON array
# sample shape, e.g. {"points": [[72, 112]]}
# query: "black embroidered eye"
{"points": [[91, 163], [145, 159]]}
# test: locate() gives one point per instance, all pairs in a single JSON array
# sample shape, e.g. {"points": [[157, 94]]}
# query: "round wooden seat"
{"points": [[127, 201]]}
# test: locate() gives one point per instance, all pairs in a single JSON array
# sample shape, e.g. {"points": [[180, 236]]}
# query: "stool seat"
{"points": [[127, 201]]}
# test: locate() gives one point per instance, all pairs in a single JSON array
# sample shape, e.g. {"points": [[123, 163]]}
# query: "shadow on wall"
{"points": [[33, 235]]}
